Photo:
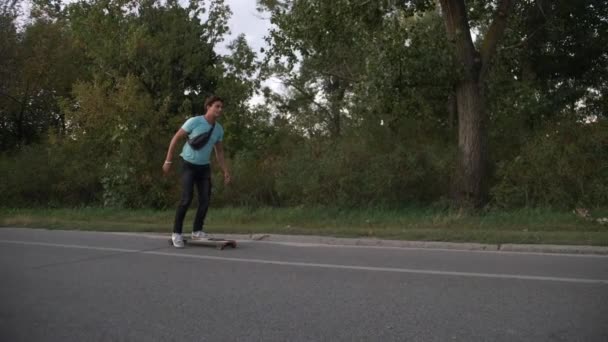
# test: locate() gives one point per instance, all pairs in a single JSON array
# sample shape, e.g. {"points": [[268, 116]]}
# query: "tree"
{"points": [[562, 53], [9, 43], [39, 64], [325, 38], [153, 64], [471, 174], [237, 83], [318, 50]]}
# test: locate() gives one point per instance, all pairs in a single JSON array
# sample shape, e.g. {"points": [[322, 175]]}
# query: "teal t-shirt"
{"points": [[195, 126]]}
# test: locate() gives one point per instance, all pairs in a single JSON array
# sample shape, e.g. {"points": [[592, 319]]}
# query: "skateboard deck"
{"points": [[210, 242]]}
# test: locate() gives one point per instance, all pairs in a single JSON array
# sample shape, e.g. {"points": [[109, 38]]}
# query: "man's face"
{"points": [[216, 109]]}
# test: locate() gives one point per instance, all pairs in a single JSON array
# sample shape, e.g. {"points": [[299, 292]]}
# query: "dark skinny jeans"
{"points": [[199, 176]]}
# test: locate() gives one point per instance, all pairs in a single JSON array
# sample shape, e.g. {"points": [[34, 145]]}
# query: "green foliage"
{"points": [[40, 65], [369, 62], [236, 86], [165, 46], [349, 173], [563, 166], [253, 184], [50, 174], [91, 93]]}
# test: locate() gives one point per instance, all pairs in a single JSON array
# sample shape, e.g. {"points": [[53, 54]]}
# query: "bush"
{"points": [[253, 183], [50, 175], [563, 166], [337, 173]]}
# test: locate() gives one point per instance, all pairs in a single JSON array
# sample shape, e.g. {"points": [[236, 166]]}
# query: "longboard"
{"points": [[210, 242]]}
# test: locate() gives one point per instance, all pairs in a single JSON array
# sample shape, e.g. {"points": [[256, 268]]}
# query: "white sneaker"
{"points": [[199, 235], [178, 242]]}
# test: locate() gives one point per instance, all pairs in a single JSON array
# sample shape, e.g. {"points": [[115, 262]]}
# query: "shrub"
{"points": [[563, 166]]}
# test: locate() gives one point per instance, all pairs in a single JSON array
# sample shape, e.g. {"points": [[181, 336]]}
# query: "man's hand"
{"points": [[166, 168], [219, 154]]}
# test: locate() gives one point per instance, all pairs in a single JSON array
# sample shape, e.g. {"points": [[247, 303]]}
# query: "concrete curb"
{"points": [[562, 249], [304, 240], [371, 242], [311, 240]]}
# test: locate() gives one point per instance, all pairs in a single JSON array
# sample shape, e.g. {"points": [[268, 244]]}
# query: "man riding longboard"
{"points": [[204, 134]]}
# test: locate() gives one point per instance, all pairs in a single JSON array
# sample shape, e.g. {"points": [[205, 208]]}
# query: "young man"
{"points": [[196, 170]]}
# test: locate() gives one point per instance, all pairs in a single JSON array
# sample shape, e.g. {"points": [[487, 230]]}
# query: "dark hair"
{"points": [[211, 100]]}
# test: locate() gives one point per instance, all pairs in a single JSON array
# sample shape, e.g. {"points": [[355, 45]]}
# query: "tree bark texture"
{"points": [[470, 178]]}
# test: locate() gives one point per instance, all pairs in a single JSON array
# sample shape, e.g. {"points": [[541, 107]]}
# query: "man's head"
{"points": [[213, 106]]}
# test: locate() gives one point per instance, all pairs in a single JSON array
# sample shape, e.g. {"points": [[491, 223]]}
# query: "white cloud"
{"points": [[246, 20]]}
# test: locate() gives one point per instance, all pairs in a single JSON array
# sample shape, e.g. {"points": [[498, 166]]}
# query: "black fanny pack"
{"points": [[201, 140]]}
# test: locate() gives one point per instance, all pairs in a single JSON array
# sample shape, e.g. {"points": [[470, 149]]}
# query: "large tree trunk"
{"points": [[335, 91], [471, 167], [470, 179]]}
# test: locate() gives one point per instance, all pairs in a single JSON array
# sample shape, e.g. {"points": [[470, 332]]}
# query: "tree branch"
{"points": [[342, 77], [311, 97], [459, 33], [494, 34], [525, 39], [12, 98]]}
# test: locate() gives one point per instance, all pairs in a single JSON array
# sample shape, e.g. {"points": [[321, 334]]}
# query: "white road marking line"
{"points": [[318, 265], [328, 244], [491, 248]]}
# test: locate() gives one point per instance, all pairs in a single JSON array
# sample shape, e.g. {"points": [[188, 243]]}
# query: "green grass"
{"points": [[498, 227]]}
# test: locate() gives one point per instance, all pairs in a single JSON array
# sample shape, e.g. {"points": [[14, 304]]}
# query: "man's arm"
{"points": [[180, 134], [219, 154]]}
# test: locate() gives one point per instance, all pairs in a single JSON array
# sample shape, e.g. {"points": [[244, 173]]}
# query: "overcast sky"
{"points": [[246, 19]]}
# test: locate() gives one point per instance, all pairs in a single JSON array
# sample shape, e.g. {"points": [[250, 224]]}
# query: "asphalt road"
{"points": [[84, 286]]}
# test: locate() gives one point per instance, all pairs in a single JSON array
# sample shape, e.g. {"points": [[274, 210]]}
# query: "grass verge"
{"points": [[536, 226]]}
